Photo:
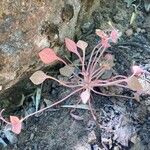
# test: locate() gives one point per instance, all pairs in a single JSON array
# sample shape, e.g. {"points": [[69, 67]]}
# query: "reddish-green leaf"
{"points": [[38, 77], [145, 82], [16, 124], [134, 84], [105, 42], [114, 35], [101, 33], [47, 55], [67, 71], [136, 70], [104, 38]]}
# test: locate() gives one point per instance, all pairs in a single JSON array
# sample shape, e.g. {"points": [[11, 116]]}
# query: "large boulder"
{"points": [[26, 27]]}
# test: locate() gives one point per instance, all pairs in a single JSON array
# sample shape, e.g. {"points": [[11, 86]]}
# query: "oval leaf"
{"points": [[16, 124], [136, 70], [114, 35], [38, 77], [71, 46], [105, 42], [101, 33], [85, 96], [81, 44], [134, 84], [145, 84], [67, 71], [47, 55]]}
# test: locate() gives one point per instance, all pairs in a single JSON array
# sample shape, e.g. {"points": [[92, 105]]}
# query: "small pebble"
{"points": [[129, 32], [147, 5], [148, 108], [116, 148], [91, 137], [31, 136], [139, 30], [134, 139]]}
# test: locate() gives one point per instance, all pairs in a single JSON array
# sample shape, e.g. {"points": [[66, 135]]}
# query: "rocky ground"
{"points": [[122, 124]]}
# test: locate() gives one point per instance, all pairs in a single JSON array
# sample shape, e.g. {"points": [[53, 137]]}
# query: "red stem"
{"points": [[63, 83], [92, 56], [98, 58], [111, 95], [54, 104]]}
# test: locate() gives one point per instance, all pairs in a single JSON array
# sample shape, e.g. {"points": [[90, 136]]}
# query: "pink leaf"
{"points": [[114, 35], [134, 84], [109, 57], [81, 44], [38, 77], [16, 124], [48, 56], [104, 38], [85, 96], [105, 42], [136, 70], [101, 33], [71, 46]]}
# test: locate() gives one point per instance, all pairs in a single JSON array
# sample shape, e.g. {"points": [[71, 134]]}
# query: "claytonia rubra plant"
{"points": [[89, 76]]}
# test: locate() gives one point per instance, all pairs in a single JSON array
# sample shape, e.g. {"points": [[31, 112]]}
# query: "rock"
{"points": [[147, 5], [20, 37], [116, 148], [67, 12], [92, 137], [134, 139], [147, 22], [138, 145], [146, 25], [87, 27], [129, 32], [25, 30], [107, 74], [148, 108]]}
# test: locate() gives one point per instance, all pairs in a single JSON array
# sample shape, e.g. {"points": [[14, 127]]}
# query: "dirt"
{"points": [[122, 124]]}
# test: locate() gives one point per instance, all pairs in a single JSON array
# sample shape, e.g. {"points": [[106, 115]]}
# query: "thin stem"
{"points": [[98, 51], [54, 104], [80, 58], [111, 83], [92, 56], [97, 70], [63, 83], [112, 95], [62, 61], [1, 118], [98, 58], [99, 73], [75, 65], [75, 108], [118, 76], [91, 110], [83, 67]]}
